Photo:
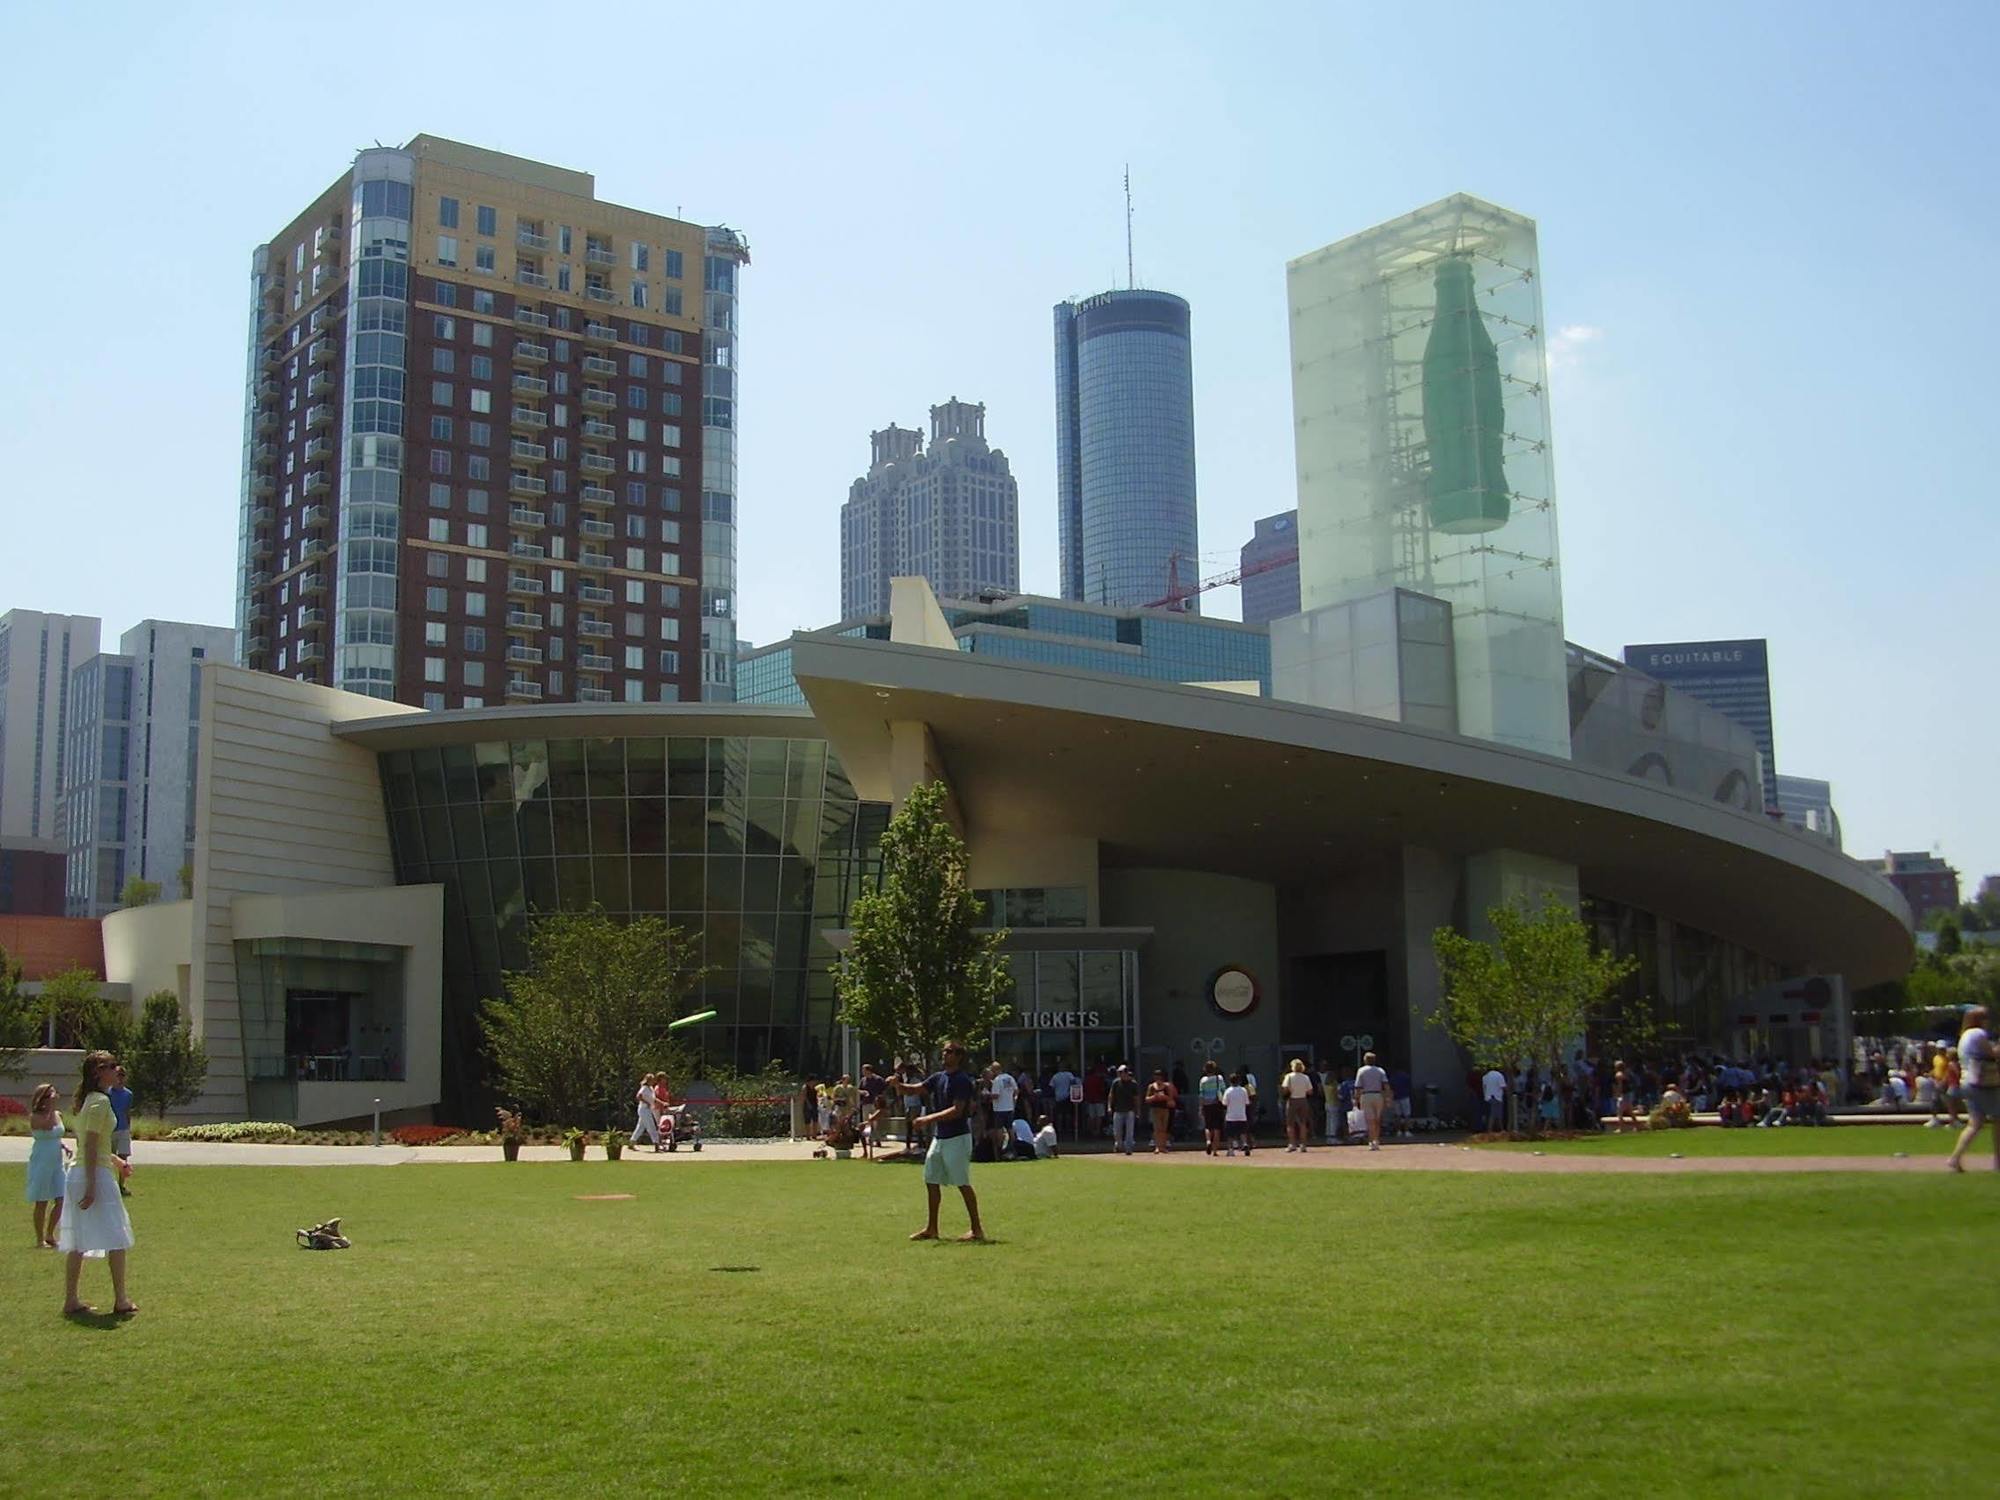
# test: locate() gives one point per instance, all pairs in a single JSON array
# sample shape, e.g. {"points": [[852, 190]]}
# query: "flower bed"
{"points": [[11, 1106], [425, 1135], [238, 1131]]}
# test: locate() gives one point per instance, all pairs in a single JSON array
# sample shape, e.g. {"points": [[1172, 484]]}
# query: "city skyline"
{"points": [[1694, 507]]}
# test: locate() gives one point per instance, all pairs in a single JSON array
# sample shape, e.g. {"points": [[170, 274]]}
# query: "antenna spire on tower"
{"points": [[1129, 281]]}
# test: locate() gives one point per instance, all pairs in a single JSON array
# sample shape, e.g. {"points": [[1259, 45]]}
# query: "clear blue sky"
{"points": [[1768, 229]]}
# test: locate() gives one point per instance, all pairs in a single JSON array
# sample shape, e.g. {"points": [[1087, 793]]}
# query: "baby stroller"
{"points": [[677, 1125]]}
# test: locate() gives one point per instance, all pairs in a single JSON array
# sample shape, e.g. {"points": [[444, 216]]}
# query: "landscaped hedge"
{"points": [[238, 1131]]}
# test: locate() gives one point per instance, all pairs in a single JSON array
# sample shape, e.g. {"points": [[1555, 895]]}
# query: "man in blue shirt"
{"points": [[121, 1124], [948, 1163]]}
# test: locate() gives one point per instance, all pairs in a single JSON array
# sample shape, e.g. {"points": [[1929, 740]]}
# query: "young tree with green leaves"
{"points": [[139, 892], [920, 966], [589, 1015], [164, 1063], [20, 1020], [74, 1001], [1531, 992]]}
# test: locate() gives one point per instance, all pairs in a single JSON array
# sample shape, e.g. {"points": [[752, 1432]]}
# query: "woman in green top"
{"points": [[95, 1224]]}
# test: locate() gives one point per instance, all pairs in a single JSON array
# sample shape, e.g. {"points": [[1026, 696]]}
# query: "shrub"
{"points": [[237, 1131], [424, 1135], [11, 1106], [1676, 1116]]}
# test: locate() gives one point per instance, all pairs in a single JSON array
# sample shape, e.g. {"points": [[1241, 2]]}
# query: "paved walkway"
{"points": [[1404, 1157]]}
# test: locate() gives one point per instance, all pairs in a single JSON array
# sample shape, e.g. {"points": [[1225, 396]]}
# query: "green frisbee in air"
{"points": [[700, 1015]]}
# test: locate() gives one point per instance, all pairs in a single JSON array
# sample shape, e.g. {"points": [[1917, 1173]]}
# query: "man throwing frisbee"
{"points": [[951, 1097]]}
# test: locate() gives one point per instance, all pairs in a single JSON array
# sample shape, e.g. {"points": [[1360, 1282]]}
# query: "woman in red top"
{"points": [[1161, 1098]]}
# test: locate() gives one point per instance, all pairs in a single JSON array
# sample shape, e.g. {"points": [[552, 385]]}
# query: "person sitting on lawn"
{"points": [[1045, 1138], [1021, 1141]]}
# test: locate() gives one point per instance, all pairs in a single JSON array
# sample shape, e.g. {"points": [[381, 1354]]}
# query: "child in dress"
{"points": [[45, 1165], [95, 1224]]}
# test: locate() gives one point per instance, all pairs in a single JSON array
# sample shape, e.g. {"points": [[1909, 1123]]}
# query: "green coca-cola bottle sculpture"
{"points": [[1463, 421]]}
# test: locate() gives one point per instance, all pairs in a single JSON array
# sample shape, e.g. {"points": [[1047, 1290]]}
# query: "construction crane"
{"points": [[1178, 594]]}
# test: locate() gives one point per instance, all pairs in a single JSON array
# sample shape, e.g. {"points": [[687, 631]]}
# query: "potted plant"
{"points": [[510, 1133], [614, 1145], [576, 1140]]}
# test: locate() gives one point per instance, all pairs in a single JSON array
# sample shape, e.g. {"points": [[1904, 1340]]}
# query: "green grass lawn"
{"points": [[1712, 1140], [1146, 1330]]}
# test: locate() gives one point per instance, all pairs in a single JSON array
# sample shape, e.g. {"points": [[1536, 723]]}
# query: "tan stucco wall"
{"points": [[151, 948], [1013, 860]]}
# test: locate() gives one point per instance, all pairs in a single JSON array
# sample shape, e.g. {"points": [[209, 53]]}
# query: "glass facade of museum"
{"points": [[1692, 984], [754, 846]]}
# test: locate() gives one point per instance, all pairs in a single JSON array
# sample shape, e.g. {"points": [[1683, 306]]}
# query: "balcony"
{"points": [[526, 519], [260, 548], [312, 619], [591, 526], [526, 353], [319, 416], [315, 551], [267, 421], [597, 364], [317, 483], [590, 661], [531, 278], [526, 484], [523, 619], [320, 383], [600, 294], [317, 449], [597, 629], [594, 428], [523, 587], [315, 516], [598, 398], [322, 315], [528, 418], [530, 239], [599, 333], [312, 584], [267, 389], [263, 486], [527, 317], [525, 656], [597, 463], [259, 644], [258, 610], [526, 551], [261, 579], [598, 255], [527, 452], [321, 351], [520, 687], [530, 385], [596, 495], [307, 651], [593, 593], [262, 515], [263, 453], [595, 562], [593, 695]]}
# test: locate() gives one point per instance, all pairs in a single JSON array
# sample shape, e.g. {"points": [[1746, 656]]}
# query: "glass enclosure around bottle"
{"points": [[1420, 397]]}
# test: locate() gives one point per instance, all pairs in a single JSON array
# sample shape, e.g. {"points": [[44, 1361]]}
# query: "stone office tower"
{"points": [[951, 514], [489, 440]]}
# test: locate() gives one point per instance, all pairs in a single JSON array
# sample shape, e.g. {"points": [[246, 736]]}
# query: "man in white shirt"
{"points": [[1297, 1089], [1371, 1090], [1060, 1087], [1002, 1088], [1493, 1089], [1045, 1139], [1979, 1081]]}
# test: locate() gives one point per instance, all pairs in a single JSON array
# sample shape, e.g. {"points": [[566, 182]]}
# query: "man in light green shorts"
{"points": [[949, 1162]]}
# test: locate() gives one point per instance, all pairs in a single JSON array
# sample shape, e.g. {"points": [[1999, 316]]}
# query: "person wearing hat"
{"points": [[948, 1163], [1124, 1095], [1371, 1087]]}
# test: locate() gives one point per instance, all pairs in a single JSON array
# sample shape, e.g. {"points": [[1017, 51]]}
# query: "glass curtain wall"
{"points": [[752, 846]]}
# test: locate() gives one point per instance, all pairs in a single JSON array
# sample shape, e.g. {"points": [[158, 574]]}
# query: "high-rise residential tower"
{"points": [[951, 515], [37, 653], [129, 776], [1268, 570], [1125, 480], [488, 439]]}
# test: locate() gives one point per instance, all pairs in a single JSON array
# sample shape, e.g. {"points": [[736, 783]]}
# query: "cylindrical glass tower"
{"points": [[1125, 449]]}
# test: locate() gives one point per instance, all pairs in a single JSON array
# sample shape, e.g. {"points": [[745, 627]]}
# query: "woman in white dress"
{"points": [[648, 1126], [94, 1224]]}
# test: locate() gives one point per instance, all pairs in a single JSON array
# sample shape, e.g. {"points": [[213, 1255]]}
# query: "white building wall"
{"points": [[282, 808], [37, 653], [158, 839]]}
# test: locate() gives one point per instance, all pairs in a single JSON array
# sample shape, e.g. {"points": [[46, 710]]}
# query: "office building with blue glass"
{"points": [[1732, 677], [1125, 477]]}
